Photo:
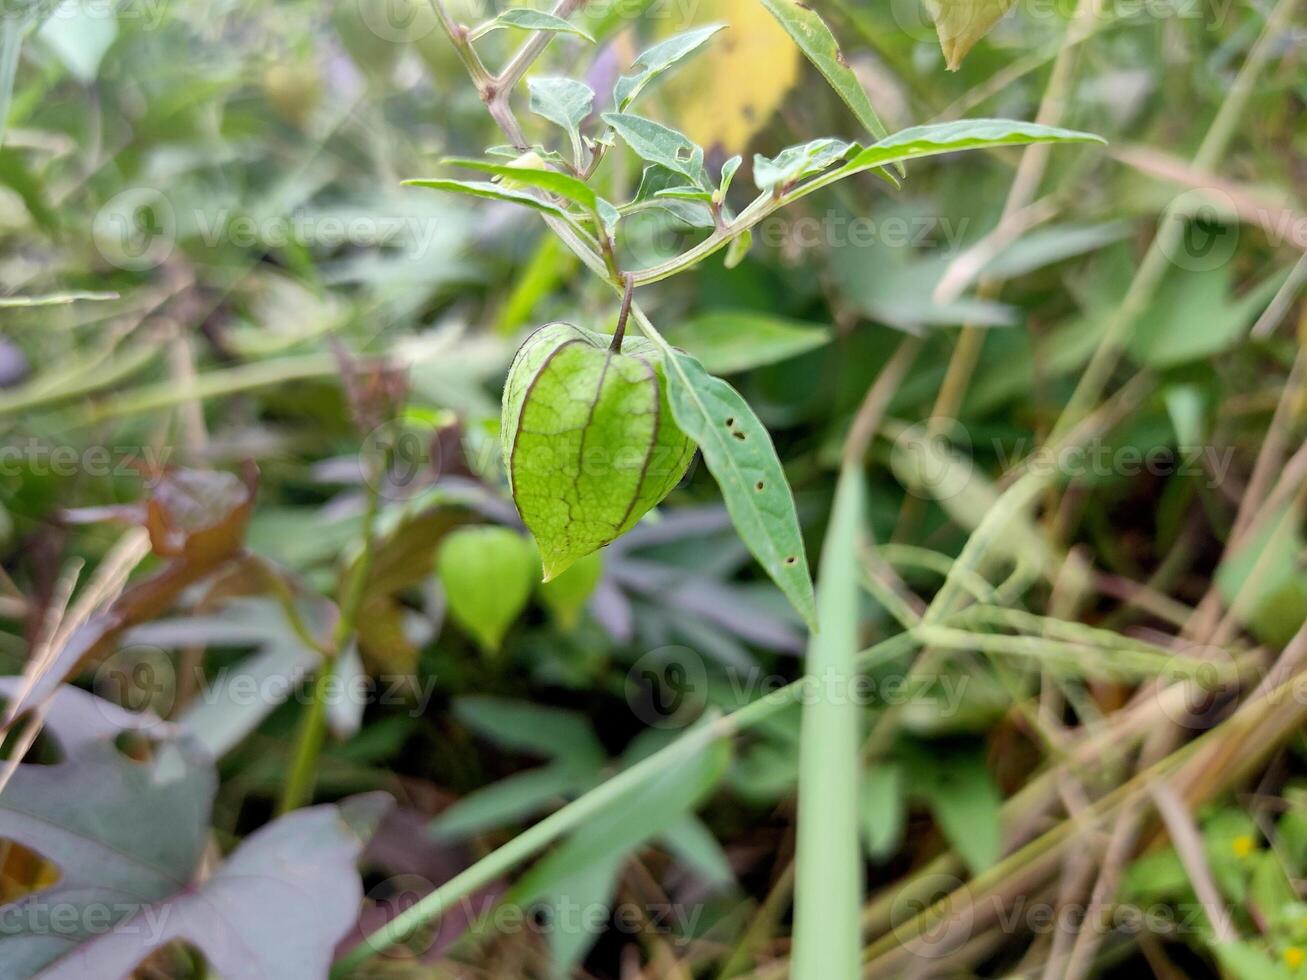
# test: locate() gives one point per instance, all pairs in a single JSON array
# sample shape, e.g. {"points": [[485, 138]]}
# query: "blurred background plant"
{"points": [[1089, 363]]}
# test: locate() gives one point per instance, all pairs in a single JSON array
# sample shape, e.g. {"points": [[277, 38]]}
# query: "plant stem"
{"points": [[313, 725], [620, 331]]}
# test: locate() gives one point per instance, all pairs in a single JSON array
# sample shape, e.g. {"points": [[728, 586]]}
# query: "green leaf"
{"points": [[1193, 316], [694, 845], [964, 134], [966, 804], [961, 23], [657, 60], [589, 888], [738, 248], [501, 804], [527, 19], [742, 459], [656, 180], [634, 818], [1247, 962], [564, 185], [521, 726], [884, 809], [80, 38], [588, 439], [818, 44], [656, 143], [796, 162], [728, 175], [487, 574], [828, 886], [494, 192], [564, 102]]}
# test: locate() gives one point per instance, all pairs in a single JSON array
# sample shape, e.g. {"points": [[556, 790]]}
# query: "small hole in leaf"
{"points": [[738, 435], [134, 745], [44, 750], [684, 153], [758, 486], [730, 421], [791, 560], [23, 871]]}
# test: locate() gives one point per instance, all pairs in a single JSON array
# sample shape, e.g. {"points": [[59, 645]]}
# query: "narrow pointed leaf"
{"points": [[828, 887], [818, 44], [653, 62], [530, 20], [965, 134], [493, 192], [742, 459]]}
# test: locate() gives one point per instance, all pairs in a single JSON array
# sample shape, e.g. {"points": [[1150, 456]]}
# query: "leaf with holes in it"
{"points": [[742, 459], [120, 833], [662, 145], [588, 439], [487, 574]]}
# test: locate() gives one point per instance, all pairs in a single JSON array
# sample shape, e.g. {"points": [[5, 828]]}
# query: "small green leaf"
{"points": [[656, 180], [656, 143], [657, 60], [729, 341], [564, 185], [818, 44], [523, 726], [527, 19], [487, 574], [588, 438], [742, 459], [728, 174], [796, 162], [564, 102], [884, 809], [500, 804], [565, 596], [738, 248], [494, 192], [961, 23], [966, 804]]}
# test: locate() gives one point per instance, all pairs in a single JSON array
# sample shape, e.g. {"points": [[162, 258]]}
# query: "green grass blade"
{"points": [[828, 887]]}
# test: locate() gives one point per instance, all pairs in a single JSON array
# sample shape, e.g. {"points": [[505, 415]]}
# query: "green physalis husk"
{"points": [[487, 574], [589, 440]]}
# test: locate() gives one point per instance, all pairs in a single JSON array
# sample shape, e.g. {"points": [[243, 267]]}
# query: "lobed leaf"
{"points": [[656, 143], [742, 459]]}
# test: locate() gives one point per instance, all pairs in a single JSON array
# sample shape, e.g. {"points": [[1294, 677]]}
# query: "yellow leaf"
{"points": [[729, 92], [961, 23]]}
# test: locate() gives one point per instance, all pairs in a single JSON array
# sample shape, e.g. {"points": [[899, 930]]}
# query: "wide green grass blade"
{"points": [[828, 886]]}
